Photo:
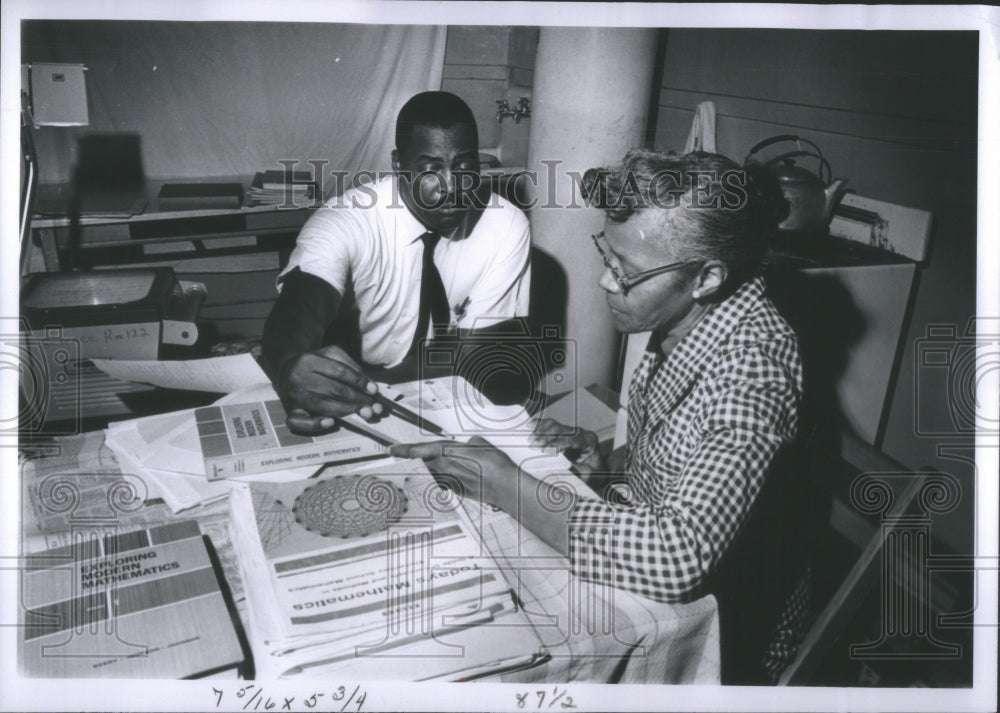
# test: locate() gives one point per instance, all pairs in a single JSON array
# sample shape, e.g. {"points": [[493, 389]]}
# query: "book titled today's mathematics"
{"points": [[143, 604]]}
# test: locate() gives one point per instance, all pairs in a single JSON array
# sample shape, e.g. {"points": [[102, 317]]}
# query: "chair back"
{"points": [[856, 478]]}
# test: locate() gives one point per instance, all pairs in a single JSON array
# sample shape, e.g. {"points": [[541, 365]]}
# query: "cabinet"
{"points": [[850, 305]]}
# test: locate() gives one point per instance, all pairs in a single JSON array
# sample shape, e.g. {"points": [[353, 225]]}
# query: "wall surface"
{"points": [[895, 113], [214, 99], [484, 64]]}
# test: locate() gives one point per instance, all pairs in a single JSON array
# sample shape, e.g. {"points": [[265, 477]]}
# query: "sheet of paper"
{"points": [[131, 442], [581, 409], [217, 374], [147, 441]]}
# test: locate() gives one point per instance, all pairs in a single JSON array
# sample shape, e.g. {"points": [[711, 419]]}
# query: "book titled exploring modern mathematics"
{"points": [[239, 439], [143, 604]]}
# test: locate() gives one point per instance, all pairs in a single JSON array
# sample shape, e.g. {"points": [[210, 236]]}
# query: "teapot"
{"points": [[811, 198]]}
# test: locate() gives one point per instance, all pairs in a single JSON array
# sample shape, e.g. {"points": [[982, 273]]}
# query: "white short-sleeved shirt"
{"points": [[368, 239]]}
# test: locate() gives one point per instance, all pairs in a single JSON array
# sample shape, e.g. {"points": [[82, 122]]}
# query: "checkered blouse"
{"points": [[704, 425]]}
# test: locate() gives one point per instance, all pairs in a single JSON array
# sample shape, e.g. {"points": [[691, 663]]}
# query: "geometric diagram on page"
{"points": [[275, 521], [349, 506]]}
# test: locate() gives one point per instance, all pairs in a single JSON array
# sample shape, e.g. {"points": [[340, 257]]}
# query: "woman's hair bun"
{"points": [[764, 193]]}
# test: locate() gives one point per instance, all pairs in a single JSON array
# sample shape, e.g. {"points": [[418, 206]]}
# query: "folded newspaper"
{"points": [[379, 574]]}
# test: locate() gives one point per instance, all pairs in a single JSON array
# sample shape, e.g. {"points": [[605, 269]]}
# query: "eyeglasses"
{"points": [[627, 282]]}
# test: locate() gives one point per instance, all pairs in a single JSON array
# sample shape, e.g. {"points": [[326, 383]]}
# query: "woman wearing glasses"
{"points": [[712, 406]]}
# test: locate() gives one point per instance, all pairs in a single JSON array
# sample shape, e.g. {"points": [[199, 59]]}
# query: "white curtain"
{"points": [[212, 99]]}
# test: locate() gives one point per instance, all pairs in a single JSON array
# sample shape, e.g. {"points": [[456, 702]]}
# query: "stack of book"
{"points": [[376, 574], [278, 187]]}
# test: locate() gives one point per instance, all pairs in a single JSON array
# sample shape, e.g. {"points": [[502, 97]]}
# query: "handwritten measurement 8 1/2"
{"points": [[543, 700]]}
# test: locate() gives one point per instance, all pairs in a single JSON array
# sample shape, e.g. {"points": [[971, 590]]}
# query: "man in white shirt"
{"points": [[359, 288]]}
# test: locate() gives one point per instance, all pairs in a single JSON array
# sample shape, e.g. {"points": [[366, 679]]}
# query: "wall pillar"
{"points": [[591, 101]]}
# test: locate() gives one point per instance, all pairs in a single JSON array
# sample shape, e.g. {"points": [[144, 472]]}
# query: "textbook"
{"points": [[376, 573], [143, 604], [245, 438]]}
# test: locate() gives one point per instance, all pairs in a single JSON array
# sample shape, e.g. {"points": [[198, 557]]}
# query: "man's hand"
{"points": [[475, 469], [579, 446], [319, 385]]}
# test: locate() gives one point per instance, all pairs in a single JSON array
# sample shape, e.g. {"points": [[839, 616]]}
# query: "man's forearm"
{"points": [[304, 310]]}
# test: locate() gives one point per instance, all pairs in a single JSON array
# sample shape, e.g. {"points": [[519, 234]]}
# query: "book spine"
{"points": [[324, 451], [281, 186]]}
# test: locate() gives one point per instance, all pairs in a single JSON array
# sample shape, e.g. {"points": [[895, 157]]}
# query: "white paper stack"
{"points": [[275, 187], [165, 448]]}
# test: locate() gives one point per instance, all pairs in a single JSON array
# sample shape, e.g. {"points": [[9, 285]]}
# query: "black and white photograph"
{"points": [[467, 356]]}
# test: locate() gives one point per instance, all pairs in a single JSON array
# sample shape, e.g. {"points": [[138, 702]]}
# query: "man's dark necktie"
{"points": [[433, 299]]}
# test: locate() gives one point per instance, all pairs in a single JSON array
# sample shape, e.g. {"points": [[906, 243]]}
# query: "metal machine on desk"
{"points": [[69, 318]]}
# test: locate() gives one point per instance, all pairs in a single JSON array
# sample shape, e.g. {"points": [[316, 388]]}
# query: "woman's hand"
{"points": [[579, 446], [475, 469], [478, 470]]}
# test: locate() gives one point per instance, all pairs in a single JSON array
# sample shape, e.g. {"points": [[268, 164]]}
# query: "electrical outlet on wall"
{"points": [[892, 227]]}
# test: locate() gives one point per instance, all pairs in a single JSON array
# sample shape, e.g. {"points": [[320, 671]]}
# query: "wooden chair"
{"points": [[836, 469]]}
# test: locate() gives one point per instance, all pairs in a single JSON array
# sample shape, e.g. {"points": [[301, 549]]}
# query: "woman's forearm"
{"points": [[542, 507]]}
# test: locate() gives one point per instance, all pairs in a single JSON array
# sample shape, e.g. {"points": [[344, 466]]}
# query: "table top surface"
{"points": [[593, 632]]}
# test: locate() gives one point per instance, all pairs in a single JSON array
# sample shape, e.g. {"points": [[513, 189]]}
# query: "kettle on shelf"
{"points": [[811, 198]]}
